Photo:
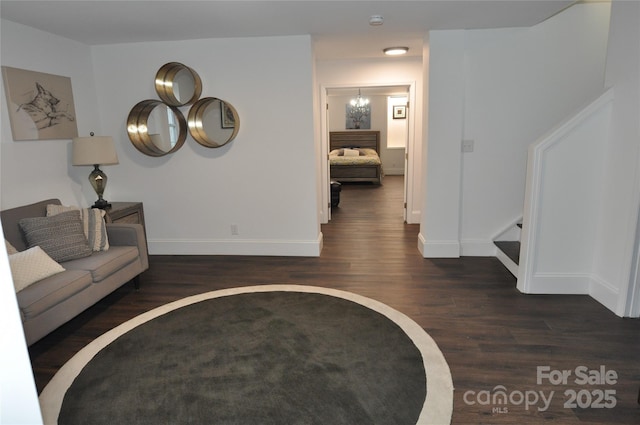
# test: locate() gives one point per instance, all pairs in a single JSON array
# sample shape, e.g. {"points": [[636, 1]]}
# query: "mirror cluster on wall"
{"points": [[158, 127]]}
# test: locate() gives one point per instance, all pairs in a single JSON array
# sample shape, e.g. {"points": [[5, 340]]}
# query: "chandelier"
{"points": [[359, 109]]}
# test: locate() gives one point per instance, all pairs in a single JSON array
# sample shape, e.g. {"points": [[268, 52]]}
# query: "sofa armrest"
{"points": [[129, 234]]}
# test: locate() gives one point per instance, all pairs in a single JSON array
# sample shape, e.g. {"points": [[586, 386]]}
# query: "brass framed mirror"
{"points": [[177, 84], [213, 122], [156, 129]]}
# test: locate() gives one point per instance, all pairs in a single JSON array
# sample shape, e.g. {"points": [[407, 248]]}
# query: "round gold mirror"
{"points": [[213, 122], [177, 84], [155, 128]]}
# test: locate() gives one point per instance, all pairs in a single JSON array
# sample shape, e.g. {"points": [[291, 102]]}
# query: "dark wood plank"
{"points": [[490, 333]]}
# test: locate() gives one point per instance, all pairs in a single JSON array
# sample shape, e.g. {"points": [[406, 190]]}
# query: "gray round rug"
{"points": [[275, 354]]}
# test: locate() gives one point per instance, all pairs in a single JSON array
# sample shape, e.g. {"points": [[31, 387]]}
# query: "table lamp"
{"points": [[96, 151]]}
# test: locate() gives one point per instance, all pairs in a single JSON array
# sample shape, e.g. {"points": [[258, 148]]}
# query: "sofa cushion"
{"points": [[93, 224], [60, 236], [104, 263], [49, 292], [10, 248], [30, 266]]}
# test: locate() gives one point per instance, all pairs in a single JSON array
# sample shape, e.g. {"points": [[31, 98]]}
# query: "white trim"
{"points": [[394, 171], [511, 232], [323, 166], [561, 283], [633, 300], [477, 248], [507, 262], [533, 190], [275, 247], [412, 161], [438, 249], [605, 293], [438, 405], [413, 217]]}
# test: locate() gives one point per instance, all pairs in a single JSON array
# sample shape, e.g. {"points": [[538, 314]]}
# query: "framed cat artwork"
{"points": [[40, 105]]}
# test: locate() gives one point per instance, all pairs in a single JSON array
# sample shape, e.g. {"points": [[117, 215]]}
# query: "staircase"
{"points": [[508, 244]]}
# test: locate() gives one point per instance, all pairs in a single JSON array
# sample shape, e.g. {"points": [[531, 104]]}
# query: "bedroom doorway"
{"points": [[391, 113]]}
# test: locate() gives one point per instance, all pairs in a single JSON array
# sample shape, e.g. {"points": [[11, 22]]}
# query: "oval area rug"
{"points": [[273, 354]]}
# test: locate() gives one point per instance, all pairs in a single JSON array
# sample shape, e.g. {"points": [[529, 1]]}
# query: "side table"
{"points": [[125, 212]]}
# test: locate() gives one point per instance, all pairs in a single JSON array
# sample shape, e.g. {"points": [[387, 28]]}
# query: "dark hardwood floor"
{"points": [[490, 334]]}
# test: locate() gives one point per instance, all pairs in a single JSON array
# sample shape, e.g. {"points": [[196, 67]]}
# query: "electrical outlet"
{"points": [[467, 146], [234, 229]]}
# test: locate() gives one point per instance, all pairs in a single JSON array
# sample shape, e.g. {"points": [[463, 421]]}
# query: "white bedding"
{"points": [[367, 156]]}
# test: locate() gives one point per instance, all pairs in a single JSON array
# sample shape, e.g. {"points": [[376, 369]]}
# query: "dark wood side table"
{"points": [[125, 212]]}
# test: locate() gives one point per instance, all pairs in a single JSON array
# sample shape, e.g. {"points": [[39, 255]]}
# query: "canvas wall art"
{"points": [[358, 118], [40, 105]]}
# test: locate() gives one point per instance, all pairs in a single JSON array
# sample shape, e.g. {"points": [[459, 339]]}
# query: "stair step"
{"points": [[510, 248]]}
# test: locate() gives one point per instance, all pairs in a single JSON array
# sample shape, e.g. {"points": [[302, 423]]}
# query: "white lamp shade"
{"points": [[94, 150]]}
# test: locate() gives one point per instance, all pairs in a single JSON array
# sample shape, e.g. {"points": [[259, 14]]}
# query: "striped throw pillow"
{"points": [[93, 224], [60, 236]]}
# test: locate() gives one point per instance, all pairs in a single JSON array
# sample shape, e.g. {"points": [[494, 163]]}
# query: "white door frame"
{"points": [[410, 161]]}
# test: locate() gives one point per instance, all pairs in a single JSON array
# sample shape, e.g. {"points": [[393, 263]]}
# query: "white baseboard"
{"points": [[413, 217], [477, 248], [578, 284], [438, 249], [560, 283], [393, 171], [606, 294], [283, 248]]}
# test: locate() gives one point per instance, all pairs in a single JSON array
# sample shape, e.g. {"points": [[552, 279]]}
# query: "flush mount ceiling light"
{"points": [[395, 51], [375, 20]]}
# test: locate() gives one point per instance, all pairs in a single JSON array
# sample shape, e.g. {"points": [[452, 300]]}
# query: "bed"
{"points": [[363, 165]]}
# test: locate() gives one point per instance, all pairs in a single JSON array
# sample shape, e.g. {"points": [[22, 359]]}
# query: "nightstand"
{"points": [[125, 212]]}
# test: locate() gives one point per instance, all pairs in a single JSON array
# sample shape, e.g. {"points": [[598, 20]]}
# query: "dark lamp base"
{"points": [[101, 204]]}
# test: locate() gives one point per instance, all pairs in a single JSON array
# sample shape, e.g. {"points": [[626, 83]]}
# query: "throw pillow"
{"points": [[94, 227], [351, 152], [30, 266], [60, 236], [10, 248]]}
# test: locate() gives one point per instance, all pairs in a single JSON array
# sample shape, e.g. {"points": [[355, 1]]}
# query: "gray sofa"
{"points": [[51, 302]]}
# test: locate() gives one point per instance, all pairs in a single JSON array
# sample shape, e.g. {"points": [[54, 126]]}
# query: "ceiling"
{"points": [[340, 29]]}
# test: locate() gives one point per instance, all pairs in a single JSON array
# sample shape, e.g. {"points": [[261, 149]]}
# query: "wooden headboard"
{"points": [[354, 139]]}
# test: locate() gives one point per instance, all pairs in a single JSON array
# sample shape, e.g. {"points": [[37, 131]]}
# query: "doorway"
{"points": [[397, 158]]}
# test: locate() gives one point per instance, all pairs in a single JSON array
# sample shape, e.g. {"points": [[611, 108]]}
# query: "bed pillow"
{"points": [[30, 266], [60, 236], [343, 152], [368, 152], [93, 225], [351, 152]]}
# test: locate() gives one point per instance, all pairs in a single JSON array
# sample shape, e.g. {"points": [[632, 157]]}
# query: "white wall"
{"points": [[34, 170], [439, 226], [389, 71], [619, 207], [502, 89], [580, 230], [18, 395], [264, 181], [396, 127]]}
